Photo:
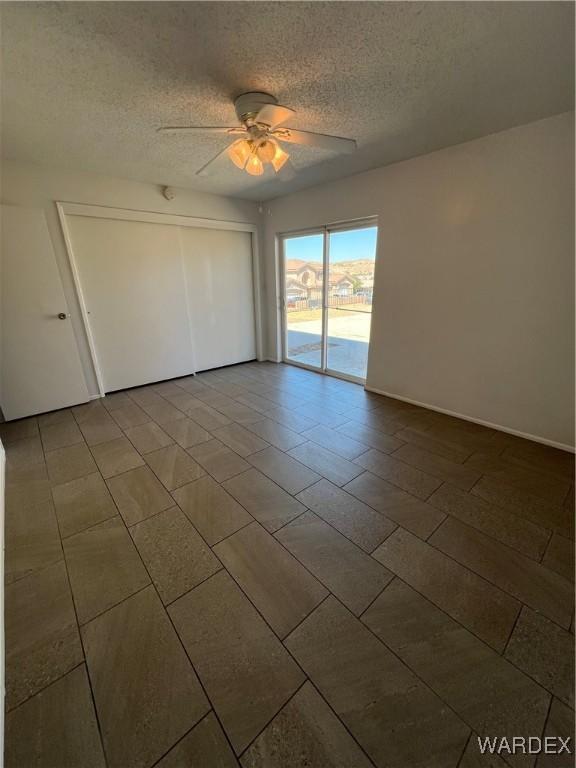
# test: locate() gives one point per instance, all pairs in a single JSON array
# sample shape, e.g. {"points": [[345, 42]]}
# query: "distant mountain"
{"points": [[355, 266], [351, 267]]}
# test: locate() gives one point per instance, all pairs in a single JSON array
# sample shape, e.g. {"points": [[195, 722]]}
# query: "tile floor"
{"points": [[267, 567]]}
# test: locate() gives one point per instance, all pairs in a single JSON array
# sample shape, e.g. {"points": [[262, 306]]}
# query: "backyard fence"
{"points": [[299, 305]]}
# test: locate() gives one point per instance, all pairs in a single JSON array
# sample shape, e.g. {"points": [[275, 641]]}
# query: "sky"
{"points": [[344, 246]]}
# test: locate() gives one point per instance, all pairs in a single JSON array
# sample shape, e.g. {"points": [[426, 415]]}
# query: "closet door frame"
{"points": [[123, 214]]}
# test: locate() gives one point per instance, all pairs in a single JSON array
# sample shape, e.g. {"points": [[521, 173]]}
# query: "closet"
{"points": [[162, 300]]}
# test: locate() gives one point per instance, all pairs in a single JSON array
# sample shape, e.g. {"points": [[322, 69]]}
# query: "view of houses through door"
{"points": [[328, 278]]}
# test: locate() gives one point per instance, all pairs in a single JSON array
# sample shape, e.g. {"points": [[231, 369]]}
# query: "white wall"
{"points": [[474, 282], [42, 187], [474, 285]]}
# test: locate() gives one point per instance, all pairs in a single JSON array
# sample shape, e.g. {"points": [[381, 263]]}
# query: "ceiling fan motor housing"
{"points": [[249, 104]]}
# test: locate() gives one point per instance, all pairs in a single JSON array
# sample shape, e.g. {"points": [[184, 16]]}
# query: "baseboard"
{"points": [[498, 427], [272, 360]]}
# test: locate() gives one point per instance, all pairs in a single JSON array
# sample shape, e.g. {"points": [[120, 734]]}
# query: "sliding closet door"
{"points": [[218, 269], [133, 285]]}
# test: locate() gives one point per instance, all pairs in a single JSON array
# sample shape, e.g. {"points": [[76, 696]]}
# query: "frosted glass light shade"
{"points": [[254, 166], [239, 152], [280, 157], [266, 151], [251, 156]]}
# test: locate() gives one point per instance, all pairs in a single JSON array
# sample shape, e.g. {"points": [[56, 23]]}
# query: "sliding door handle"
{"points": [[62, 315]]}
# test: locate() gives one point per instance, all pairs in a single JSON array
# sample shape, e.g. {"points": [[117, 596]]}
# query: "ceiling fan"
{"points": [[260, 118]]}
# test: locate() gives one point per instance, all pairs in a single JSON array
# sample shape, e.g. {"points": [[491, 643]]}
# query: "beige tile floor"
{"points": [[267, 567]]}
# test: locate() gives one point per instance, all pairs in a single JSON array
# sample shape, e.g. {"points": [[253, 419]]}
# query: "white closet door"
{"points": [[218, 268], [133, 285]]}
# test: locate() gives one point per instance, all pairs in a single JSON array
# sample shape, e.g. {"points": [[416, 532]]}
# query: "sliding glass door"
{"points": [[303, 299], [351, 255], [328, 278]]}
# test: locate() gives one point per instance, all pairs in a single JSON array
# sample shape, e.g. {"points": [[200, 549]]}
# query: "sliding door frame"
{"points": [[283, 324], [66, 209], [324, 230]]}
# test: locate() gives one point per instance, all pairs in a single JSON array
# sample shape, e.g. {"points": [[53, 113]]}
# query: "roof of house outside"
{"points": [[337, 277], [295, 265]]}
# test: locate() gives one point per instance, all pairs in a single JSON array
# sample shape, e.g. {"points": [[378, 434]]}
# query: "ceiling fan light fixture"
{"points": [[280, 158], [239, 152], [260, 116], [254, 166], [267, 150]]}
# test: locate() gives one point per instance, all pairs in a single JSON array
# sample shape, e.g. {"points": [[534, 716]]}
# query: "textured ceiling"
{"points": [[86, 84]]}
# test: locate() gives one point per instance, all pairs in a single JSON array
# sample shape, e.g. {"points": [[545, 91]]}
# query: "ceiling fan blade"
{"points": [[201, 129], [212, 165], [274, 114], [335, 143]]}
